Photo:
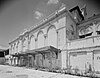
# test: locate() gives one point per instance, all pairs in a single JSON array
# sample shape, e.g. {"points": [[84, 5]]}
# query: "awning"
{"points": [[39, 51], [43, 50]]}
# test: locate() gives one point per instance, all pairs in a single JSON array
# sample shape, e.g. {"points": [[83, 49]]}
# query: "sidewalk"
{"points": [[22, 72]]}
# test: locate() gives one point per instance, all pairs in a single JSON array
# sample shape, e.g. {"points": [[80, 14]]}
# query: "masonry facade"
{"points": [[62, 40], [85, 51]]}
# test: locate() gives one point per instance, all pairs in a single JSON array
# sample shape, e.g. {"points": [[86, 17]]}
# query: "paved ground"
{"points": [[21, 72]]}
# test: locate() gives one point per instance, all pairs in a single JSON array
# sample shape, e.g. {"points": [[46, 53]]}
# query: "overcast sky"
{"points": [[16, 15]]}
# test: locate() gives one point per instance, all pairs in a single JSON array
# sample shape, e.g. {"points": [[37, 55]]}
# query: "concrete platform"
{"points": [[22, 72]]}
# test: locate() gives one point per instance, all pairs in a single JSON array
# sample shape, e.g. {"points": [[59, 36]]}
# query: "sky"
{"points": [[17, 15]]}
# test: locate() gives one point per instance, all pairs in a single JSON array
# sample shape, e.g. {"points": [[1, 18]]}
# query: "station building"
{"points": [[64, 39]]}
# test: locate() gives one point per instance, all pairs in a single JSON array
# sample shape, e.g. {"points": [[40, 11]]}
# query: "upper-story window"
{"points": [[13, 48], [85, 32], [98, 30]]}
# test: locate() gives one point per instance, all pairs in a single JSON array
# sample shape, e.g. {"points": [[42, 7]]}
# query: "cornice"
{"points": [[48, 19], [90, 19], [43, 22]]}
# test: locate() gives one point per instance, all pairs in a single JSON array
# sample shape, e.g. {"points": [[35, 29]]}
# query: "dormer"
{"points": [[77, 14]]}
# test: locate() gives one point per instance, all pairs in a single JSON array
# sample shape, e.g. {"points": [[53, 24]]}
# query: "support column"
{"points": [[36, 43], [57, 37], [10, 61], [45, 42], [18, 63], [28, 40], [30, 61], [93, 60], [50, 61], [42, 60], [21, 60], [33, 60], [28, 44], [14, 61], [21, 41], [67, 59], [64, 59]]}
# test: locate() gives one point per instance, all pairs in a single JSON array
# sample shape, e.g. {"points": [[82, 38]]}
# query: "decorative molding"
{"points": [[96, 21], [29, 41], [26, 34], [51, 17], [36, 39], [20, 37], [45, 35], [50, 27], [31, 36], [57, 31], [87, 25], [40, 31]]}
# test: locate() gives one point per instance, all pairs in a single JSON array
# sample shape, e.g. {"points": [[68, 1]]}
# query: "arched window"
{"points": [[52, 37], [32, 43], [19, 45], [86, 31], [40, 39], [13, 48], [25, 44]]}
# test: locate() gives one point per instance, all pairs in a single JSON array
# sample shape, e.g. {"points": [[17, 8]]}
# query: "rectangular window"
{"points": [[57, 55], [98, 32], [85, 35]]}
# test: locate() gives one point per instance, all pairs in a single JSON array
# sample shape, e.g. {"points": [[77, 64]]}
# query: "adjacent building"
{"points": [[3, 54], [64, 39]]}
